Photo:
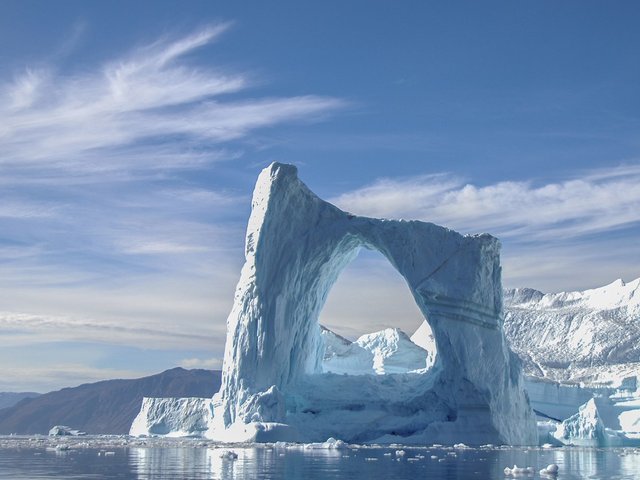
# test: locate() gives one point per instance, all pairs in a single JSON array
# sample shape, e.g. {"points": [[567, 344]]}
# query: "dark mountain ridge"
{"points": [[9, 399]]}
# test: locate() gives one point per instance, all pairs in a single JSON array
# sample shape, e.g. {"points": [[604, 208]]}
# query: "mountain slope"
{"points": [[9, 399], [593, 335], [104, 407]]}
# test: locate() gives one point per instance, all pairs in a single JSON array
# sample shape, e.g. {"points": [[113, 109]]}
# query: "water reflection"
{"points": [[254, 462], [197, 460]]}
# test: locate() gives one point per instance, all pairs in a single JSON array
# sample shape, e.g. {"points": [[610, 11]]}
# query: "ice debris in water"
{"points": [[550, 470], [330, 444], [516, 471], [229, 455]]}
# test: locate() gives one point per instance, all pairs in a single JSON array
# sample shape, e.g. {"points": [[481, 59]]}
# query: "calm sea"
{"points": [[121, 458]]}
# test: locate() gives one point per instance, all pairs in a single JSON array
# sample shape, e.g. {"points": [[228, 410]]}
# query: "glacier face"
{"points": [[173, 417], [274, 386], [591, 336]]}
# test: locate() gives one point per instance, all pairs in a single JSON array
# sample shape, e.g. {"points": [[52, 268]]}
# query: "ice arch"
{"points": [[296, 247], [371, 324]]}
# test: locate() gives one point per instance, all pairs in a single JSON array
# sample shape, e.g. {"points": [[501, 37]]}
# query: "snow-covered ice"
{"points": [[286, 378], [583, 428], [590, 337], [274, 387], [179, 417]]}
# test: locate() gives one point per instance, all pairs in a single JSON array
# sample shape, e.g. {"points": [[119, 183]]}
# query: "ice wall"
{"points": [[273, 386], [173, 417]]}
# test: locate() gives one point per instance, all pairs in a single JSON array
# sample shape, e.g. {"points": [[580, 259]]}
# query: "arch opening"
{"points": [[370, 323]]}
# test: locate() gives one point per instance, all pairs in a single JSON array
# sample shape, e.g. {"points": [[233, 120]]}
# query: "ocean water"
{"points": [[122, 458]]}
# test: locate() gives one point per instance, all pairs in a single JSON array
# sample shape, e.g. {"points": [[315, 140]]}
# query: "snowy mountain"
{"points": [[591, 336]]}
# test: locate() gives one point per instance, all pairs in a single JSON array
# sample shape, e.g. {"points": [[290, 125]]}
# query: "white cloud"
{"points": [[97, 119], [26, 328], [55, 375], [208, 363], [594, 202], [556, 236]]}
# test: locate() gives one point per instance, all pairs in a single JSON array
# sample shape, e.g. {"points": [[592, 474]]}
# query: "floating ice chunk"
{"points": [[517, 471], [63, 430], [400, 453], [330, 444], [550, 470], [229, 455], [333, 443]]}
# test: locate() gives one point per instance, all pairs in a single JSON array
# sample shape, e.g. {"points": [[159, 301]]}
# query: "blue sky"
{"points": [[132, 133]]}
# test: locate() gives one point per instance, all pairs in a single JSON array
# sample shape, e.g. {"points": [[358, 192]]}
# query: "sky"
{"points": [[131, 135]]}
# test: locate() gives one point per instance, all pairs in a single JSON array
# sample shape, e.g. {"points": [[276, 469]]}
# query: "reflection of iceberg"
{"points": [[172, 462], [273, 385]]}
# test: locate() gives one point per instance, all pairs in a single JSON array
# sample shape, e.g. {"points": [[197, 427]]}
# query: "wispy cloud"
{"points": [[118, 115], [27, 329], [110, 234], [594, 202], [556, 236]]}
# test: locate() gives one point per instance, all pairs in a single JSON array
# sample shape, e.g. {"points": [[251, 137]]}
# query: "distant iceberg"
{"points": [[63, 430]]}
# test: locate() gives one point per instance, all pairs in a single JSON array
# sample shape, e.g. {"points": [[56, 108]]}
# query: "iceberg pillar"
{"points": [[273, 386]]}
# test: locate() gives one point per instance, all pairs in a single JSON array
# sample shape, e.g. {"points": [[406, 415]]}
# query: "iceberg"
{"points": [[274, 385], [173, 417], [63, 430], [600, 422], [585, 428], [286, 378]]}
